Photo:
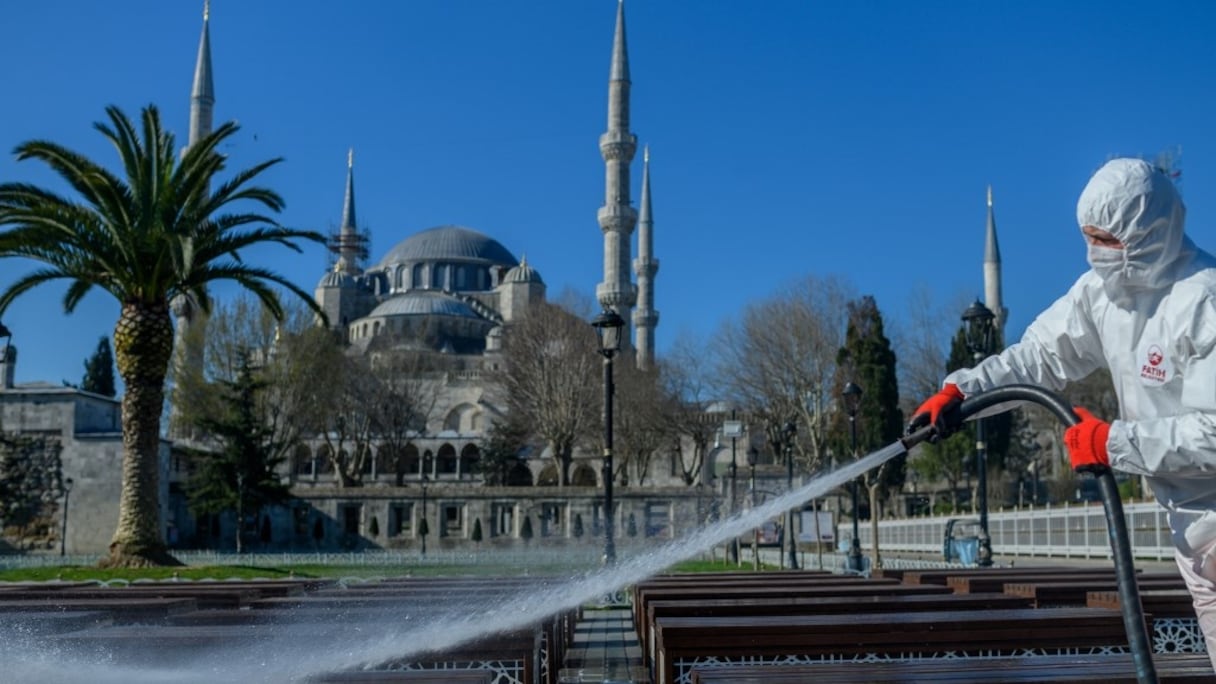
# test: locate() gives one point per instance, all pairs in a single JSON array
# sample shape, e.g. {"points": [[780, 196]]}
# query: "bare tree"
{"points": [[405, 391], [922, 342], [686, 374], [639, 425], [779, 359], [550, 378]]}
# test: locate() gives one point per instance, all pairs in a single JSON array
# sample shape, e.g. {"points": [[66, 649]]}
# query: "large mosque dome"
{"points": [[455, 243]]}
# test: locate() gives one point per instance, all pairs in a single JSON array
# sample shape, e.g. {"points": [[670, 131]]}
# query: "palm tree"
{"points": [[159, 233]]}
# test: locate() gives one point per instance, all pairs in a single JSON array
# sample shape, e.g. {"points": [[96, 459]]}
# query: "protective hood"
{"points": [[1138, 204]]}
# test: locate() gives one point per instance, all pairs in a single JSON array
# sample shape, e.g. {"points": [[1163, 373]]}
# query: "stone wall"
{"points": [[31, 492]]}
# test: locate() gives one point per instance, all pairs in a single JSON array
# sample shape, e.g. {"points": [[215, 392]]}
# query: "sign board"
{"points": [[732, 428], [816, 527]]}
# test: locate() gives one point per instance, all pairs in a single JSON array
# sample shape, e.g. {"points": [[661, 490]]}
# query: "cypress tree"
{"points": [[868, 360], [99, 370]]}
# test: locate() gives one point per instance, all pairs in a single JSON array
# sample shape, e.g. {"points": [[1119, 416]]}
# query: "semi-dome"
{"points": [[423, 303], [337, 279], [523, 273], [449, 243]]}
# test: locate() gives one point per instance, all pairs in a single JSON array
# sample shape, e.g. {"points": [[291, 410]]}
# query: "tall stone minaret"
{"points": [[189, 340], [339, 293], [202, 95], [349, 245], [992, 275], [617, 217], [645, 318]]}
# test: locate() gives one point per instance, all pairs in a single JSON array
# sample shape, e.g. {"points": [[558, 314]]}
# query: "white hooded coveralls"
{"points": [[1148, 313]]}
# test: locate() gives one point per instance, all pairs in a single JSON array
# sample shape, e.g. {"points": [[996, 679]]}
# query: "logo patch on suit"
{"points": [[1155, 368]]}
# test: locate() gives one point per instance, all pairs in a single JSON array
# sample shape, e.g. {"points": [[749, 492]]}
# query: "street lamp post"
{"points": [[752, 456], [63, 531], [733, 428], [852, 402], [788, 432], [608, 326], [423, 527], [979, 330]]}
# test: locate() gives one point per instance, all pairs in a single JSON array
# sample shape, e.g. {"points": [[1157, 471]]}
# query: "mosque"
{"points": [[448, 289]]}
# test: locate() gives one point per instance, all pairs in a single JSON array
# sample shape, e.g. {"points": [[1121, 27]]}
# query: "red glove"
{"points": [[939, 411], [1086, 442]]}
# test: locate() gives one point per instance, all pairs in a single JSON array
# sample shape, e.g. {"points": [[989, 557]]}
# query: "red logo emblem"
{"points": [[1155, 356]]}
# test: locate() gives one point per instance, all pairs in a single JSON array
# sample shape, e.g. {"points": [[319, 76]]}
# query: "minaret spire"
{"points": [[992, 273], [348, 243], [202, 95], [617, 217], [645, 318]]}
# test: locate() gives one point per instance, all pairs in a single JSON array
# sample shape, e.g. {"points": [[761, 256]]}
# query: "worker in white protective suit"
{"points": [[1146, 310]]}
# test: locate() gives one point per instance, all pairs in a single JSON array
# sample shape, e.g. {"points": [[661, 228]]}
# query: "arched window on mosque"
{"points": [[469, 457], [386, 461], [325, 463], [417, 277], [304, 464], [461, 419], [439, 277], [584, 476], [410, 461], [447, 460], [519, 476]]}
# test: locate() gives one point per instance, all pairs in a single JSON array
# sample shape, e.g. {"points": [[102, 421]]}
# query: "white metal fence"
{"points": [[1068, 531]]}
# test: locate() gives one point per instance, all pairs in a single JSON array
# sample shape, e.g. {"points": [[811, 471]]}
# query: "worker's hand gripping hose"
{"points": [[1116, 526]]}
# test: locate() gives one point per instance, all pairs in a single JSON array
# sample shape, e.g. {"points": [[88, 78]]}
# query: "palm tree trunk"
{"points": [[143, 345]]}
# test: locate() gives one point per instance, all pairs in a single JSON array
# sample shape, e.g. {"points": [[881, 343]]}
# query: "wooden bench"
{"points": [[205, 597], [685, 643], [1109, 668], [170, 645], [823, 605], [965, 584], [162, 623], [407, 677], [942, 576], [698, 594], [1071, 593], [709, 587], [41, 623], [117, 610], [1156, 602]]}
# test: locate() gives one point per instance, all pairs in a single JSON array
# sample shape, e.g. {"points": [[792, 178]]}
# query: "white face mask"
{"points": [[1109, 263]]}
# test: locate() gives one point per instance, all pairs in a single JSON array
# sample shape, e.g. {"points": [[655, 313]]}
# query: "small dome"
{"points": [[338, 279], [454, 243], [423, 303], [523, 273]]}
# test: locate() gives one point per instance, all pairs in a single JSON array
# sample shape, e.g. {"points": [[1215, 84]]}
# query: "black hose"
{"points": [[1116, 527]]}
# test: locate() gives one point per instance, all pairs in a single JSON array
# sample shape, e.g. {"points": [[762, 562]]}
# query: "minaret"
{"points": [[339, 293], [202, 95], [992, 275], [617, 217], [189, 339], [348, 244], [645, 318]]}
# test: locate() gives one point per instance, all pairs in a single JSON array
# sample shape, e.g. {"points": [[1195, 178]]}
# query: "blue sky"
{"points": [[787, 137]]}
